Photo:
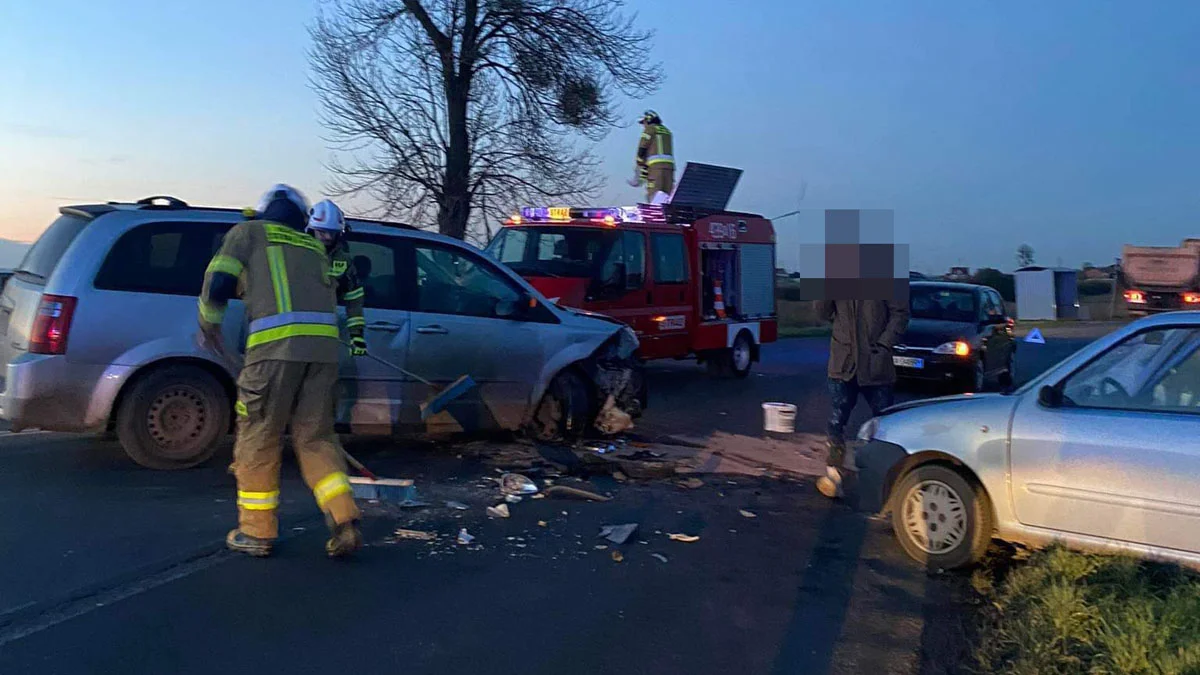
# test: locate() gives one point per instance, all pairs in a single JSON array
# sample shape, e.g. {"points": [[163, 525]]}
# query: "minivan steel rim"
{"points": [[176, 417], [935, 517], [741, 355]]}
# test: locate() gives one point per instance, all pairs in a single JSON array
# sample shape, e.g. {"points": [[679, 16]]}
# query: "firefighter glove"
{"points": [[358, 346]]}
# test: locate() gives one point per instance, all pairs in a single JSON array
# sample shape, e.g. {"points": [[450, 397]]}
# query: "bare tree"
{"points": [[1024, 255], [441, 106]]}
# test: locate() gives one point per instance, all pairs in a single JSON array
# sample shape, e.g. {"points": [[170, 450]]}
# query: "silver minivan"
{"points": [[98, 334]]}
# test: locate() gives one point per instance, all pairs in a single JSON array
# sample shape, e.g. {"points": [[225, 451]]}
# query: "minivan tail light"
{"points": [[52, 325]]}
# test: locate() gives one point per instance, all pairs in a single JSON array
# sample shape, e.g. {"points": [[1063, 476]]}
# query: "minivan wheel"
{"points": [[173, 418], [564, 411], [940, 518]]}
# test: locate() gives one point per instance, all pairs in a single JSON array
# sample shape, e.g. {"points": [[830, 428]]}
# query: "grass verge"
{"points": [[1067, 612]]}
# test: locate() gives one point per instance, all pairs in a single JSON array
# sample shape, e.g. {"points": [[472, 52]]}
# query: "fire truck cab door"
{"points": [[630, 302]]}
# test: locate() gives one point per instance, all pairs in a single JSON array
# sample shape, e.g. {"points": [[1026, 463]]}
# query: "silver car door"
{"points": [[1119, 458], [468, 320], [372, 395]]}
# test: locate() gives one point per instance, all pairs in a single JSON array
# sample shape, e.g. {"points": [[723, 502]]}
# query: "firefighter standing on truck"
{"points": [[290, 369], [655, 159]]}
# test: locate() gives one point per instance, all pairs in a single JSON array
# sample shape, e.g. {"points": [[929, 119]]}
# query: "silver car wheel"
{"points": [[934, 516]]}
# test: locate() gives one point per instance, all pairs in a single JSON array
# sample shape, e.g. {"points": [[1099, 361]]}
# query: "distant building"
{"points": [[958, 274]]}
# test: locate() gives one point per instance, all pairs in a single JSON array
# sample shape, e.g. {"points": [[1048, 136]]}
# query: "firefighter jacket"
{"points": [[349, 290], [655, 148], [286, 279]]}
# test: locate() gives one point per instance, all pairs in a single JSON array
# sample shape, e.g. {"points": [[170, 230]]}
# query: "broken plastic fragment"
{"points": [[464, 538], [659, 556], [415, 534], [685, 538], [617, 557], [746, 514], [618, 534], [516, 484], [458, 506], [498, 511], [512, 499]]}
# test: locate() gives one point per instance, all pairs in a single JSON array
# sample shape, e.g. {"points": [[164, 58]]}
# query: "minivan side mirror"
{"points": [[1050, 396]]}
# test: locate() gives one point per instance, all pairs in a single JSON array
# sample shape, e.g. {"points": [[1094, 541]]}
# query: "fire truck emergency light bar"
{"points": [[608, 215]]}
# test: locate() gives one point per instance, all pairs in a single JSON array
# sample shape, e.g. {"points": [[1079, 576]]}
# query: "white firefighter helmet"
{"points": [[327, 217], [282, 191]]}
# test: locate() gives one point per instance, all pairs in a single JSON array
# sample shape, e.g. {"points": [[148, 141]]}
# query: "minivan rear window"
{"points": [[163, 258], [43, 257]]}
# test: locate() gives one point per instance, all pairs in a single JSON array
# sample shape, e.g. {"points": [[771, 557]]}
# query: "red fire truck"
{"points": [[691, 278]]}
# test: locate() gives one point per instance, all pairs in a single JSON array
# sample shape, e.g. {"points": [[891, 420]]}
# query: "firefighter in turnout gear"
{"points": [[655, 156], [284, 275], [327, 224]]}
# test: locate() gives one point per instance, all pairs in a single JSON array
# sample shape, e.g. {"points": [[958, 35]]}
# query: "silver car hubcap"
{"points": [[741, 355], [935, 517]]}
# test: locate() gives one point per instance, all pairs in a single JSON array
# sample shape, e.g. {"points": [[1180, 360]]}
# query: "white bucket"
{"points": [[779, 417]]}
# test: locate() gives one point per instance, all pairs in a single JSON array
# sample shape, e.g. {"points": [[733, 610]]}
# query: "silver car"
{"points": [[98, 333], [1101, 452]]}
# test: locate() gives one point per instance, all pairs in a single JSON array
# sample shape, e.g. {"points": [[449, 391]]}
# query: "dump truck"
{"points": [[1161, 278]]}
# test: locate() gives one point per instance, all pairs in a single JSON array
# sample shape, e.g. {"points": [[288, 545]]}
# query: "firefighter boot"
{"points": [[344, 539], [830, 484], [243, 543]]}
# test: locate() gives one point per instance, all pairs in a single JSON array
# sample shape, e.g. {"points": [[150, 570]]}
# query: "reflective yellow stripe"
{"points": [[210, 312], [279, 280], [279, 234], [337, 268], [660, 161], [240, 409], [226, 264], [646, 136], [331, 486], [290, 331], [258, 501], [356, 294], [355, 321]]}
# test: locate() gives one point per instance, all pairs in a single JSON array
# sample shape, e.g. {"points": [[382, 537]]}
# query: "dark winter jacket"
{"points": [[864, 333]]}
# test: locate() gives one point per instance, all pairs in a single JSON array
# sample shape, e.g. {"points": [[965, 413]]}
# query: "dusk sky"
{"points": [[1073, 126]]}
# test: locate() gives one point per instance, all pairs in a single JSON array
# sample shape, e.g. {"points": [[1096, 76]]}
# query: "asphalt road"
{"points": [[111, 568]]}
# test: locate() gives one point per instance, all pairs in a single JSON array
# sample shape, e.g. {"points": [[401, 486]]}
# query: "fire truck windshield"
{"points": [[577, 252]]}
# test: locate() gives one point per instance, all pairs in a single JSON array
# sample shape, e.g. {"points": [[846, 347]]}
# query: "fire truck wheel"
{"points": [[735, 361], [563, 412]]}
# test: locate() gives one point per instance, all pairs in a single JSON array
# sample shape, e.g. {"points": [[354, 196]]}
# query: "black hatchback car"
{"points": [[958, 334]]}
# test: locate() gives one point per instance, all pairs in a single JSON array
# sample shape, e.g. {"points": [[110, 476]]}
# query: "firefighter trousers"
{"points": [[272, 395], [660, 178]]}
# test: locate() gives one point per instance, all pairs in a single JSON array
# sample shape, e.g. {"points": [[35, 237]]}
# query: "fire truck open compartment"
{"points": [[746, 273]]}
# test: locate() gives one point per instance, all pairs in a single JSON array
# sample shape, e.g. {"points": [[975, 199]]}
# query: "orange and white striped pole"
{"points": [[718, 299]]}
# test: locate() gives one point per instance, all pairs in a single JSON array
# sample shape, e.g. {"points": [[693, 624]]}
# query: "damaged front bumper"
{"points": [[618, 374]]}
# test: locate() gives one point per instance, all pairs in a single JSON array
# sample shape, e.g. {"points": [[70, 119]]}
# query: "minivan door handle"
{"points": [[386, 326], [432, 330]]}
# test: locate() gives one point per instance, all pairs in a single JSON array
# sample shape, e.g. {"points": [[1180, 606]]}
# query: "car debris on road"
{"points": [[618, 534]]}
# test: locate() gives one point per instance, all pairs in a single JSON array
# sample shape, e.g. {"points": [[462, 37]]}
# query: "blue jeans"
{"points": [[842, 397]]}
